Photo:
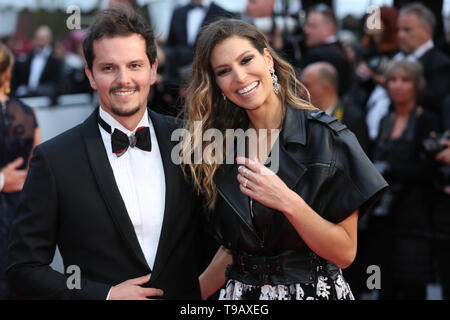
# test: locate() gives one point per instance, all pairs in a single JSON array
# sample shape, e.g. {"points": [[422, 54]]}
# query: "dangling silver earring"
{"points": [[224, 97], [275, 84]]}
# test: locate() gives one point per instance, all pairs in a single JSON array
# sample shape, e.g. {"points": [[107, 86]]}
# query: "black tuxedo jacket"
{"points": [[71, 199], [436, 69], [332, 53], [354, 119], [51, 74], [178, 25]]}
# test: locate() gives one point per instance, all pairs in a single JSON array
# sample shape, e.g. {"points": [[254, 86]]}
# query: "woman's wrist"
{"points": [[292, 203]]}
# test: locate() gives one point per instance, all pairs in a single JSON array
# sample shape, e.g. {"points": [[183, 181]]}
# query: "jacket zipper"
{"points": [[320, 164], [251, 212]]}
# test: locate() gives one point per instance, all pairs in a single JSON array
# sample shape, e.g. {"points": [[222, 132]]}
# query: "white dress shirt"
{"points": [[37, 66], [416, 54], [376, 108], [194, 21], [140, 178]]}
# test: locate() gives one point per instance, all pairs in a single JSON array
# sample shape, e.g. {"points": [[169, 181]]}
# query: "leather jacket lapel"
{"points": [[228, 187], [290, 168], [292, 138]]}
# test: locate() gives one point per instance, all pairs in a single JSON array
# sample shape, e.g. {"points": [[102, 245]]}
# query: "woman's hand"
{"points": [[14, 177], [262, 184], [333, 242]]}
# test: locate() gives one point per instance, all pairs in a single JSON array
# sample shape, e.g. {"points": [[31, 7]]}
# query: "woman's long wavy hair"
{"points": [[6, 60], [205, 103]]}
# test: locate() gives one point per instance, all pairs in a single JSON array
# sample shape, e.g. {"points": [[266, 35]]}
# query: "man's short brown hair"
{"points": [[118, 21]]}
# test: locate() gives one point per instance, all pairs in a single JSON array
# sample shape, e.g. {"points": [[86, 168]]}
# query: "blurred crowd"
{"points": [[389, 83]]}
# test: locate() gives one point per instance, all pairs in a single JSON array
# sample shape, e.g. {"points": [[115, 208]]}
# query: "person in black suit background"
{"points": [[115, 204], [184, 26], [321, 80], [436, 7], [441, 203], [322, 44], [40, 73], [416, 24]]}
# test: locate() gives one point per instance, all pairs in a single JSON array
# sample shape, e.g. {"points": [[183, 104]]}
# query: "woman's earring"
{"points": [[224, 97], [275, 84]]}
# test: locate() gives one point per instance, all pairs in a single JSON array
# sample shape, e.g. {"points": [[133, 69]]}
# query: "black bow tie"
{"points": [[120, 141], [194, 5]]}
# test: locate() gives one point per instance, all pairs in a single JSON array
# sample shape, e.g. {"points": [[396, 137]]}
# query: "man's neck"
{"points": [[423, 48], [329, 102]]}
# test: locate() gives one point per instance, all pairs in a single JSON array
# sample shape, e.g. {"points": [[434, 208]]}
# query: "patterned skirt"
{"points": [[324, 289]]}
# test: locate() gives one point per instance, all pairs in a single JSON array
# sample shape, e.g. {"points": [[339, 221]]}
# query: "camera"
{"points": [[434, 145]]}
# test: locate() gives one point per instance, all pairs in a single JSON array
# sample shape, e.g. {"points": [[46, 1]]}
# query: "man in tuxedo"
{"points": [[184, 26], [106, 191], [415, 33], [321, 80], [323, 45], [40, 73]]}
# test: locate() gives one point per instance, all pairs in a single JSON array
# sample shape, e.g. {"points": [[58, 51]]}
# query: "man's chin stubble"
{"points": [[126, 113]]}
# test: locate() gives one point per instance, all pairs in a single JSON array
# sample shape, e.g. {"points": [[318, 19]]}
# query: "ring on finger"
{"points": [[245, 172]]}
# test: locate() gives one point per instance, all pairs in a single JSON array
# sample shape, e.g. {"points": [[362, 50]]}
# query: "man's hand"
{"points": [[131, 290], [14, 178]]}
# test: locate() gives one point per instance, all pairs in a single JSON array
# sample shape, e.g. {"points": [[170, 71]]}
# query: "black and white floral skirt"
{"points": [[324, 289]]}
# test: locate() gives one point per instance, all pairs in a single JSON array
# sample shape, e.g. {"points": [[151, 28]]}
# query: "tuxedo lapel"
{"points": [[182, 24], [104, 175], [169, 231]]}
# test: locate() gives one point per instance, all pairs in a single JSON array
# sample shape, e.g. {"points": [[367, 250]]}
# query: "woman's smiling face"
{"points": [[242, 73]]}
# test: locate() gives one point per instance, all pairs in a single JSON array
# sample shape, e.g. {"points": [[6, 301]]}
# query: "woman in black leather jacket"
{"points": [[288, 226]]}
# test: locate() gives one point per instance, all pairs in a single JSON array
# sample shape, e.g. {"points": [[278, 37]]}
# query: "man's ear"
{"points": [[429, 30], [153, 71], [90, 76]]}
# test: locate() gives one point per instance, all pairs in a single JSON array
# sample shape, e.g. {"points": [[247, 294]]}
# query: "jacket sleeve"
{"points": [[34, 238], [354, 183]]}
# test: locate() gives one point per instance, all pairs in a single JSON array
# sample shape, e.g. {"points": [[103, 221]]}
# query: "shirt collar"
{"points": [[420, 51], [44, 51], [205, 4], [116, 124], [330, 110], [331, 39]]}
